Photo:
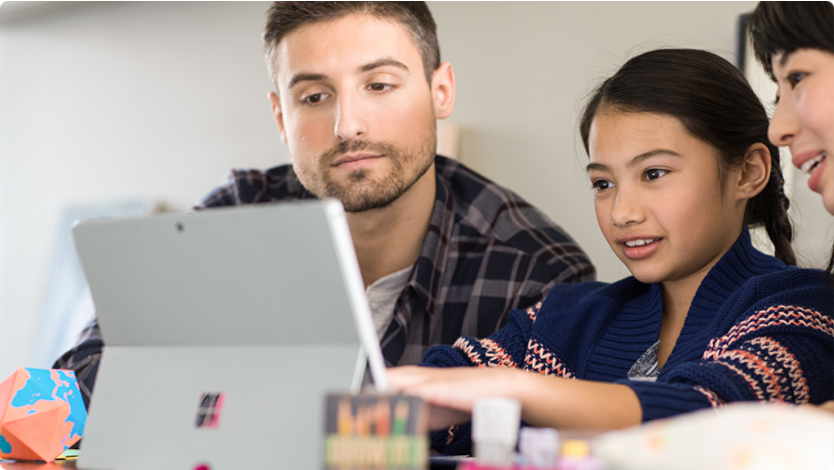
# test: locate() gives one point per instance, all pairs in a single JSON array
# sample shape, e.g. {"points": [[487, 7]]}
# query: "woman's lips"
{"points": [[800, 159], [811, 162], [816, 174]]}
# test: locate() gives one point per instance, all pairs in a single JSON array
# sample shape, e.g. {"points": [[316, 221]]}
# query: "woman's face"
{"points": [[804, 116], [658, 197]]}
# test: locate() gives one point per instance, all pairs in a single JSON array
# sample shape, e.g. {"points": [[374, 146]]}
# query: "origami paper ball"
{"points": [[41, 414]]}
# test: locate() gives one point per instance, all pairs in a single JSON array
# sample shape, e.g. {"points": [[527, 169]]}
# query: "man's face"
{"points": [[355, 109]]}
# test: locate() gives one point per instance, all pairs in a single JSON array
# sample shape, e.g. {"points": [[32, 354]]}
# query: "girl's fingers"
{"points": [[405, 377]]}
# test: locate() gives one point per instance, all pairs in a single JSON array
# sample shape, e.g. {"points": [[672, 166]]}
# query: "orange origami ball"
{"points": [[41, 414]]}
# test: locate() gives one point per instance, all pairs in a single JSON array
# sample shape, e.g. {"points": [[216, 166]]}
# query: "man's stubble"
{"points": [[361, 192]]}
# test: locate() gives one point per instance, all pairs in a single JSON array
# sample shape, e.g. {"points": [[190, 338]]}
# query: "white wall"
{"points": [[107, 101]]}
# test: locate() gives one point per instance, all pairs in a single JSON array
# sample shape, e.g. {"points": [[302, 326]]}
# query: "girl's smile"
{"points": [[638, 247]]}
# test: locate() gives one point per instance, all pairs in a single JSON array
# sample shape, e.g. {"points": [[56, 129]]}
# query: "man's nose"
{"points": [[627, 208], [350, 118]]}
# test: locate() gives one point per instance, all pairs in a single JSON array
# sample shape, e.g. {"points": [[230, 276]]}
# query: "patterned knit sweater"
{"points": [[757, 330]]}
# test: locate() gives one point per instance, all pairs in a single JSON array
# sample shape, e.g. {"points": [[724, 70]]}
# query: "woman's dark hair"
{"points": [[715, 104], [783, 27]]}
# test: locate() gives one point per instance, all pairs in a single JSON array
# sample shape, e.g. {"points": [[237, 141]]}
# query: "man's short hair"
{"points": [[285, 17]]}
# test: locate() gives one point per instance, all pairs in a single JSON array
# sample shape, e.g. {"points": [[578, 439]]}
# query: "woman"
{"points": [[794, 41], [680, 165]]}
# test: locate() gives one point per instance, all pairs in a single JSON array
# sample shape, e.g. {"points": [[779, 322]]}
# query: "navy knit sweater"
{"points": [[757, 330]]}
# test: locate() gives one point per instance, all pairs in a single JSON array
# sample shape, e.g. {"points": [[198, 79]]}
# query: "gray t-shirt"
{"points": [[646, 368], [383, 295]]}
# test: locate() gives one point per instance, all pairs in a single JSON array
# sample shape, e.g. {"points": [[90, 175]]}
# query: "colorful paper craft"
{"points": [[41, 414]]}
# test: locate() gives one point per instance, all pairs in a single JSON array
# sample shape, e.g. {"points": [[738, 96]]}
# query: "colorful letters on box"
{"points": [[370, 432]]}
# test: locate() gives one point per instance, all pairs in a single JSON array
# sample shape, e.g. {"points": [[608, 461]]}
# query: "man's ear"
{"points": [[278, 114], [755, 173], [443, 90]]}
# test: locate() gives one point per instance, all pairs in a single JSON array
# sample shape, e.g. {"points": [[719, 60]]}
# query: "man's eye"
{"points": [[601, 185], [379, 87], [655, 173], [313, 99]]}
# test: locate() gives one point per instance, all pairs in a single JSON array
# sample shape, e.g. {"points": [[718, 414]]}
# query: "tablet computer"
{"points": [[224, 330]]}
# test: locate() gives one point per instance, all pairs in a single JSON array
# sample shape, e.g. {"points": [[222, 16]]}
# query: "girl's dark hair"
{"points": [[783, 27], [715, 104]]}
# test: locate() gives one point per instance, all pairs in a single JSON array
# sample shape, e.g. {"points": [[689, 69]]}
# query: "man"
{"points": [[443, 251]]}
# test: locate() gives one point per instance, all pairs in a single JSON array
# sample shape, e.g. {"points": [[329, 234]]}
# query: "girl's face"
{"points": [[804, 115], [658, 196]]}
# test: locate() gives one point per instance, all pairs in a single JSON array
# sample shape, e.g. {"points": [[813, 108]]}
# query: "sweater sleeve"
{"points": [[781, 353], [506, 348]]}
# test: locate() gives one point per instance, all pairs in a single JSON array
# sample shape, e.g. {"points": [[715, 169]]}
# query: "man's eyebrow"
{"points": [[312, 77], [383, 63], [305, 77], [634, 161]]}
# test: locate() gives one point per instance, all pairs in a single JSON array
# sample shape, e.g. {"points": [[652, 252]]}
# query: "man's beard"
{"points": [[361, 192]]}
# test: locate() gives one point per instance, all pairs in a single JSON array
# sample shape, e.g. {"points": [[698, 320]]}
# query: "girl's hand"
{"points": [[452, 392], [545, 401]]}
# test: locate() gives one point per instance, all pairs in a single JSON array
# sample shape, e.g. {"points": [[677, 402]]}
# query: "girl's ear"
{"points": [[755, 172]]}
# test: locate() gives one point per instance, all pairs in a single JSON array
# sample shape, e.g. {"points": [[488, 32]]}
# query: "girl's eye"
{"points": [[655, 173], [601, 185]]}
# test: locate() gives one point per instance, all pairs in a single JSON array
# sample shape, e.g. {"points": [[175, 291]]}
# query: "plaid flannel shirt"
{"points": [[486, 252]]}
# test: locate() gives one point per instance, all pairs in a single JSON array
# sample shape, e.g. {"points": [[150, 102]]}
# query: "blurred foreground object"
{"points": [[375, 432], [41, 414], [739, 436], [495, 423], [539, 447]]}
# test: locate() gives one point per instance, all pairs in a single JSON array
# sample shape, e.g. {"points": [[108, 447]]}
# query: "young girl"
{"points": [[680, 165]]}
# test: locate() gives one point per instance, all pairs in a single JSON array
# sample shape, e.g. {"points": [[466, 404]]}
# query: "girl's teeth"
{"points": [[634, 243], [809, 166]]}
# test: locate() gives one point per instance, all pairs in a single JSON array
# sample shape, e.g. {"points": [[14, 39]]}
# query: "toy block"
{"points": [[42, 414]]}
